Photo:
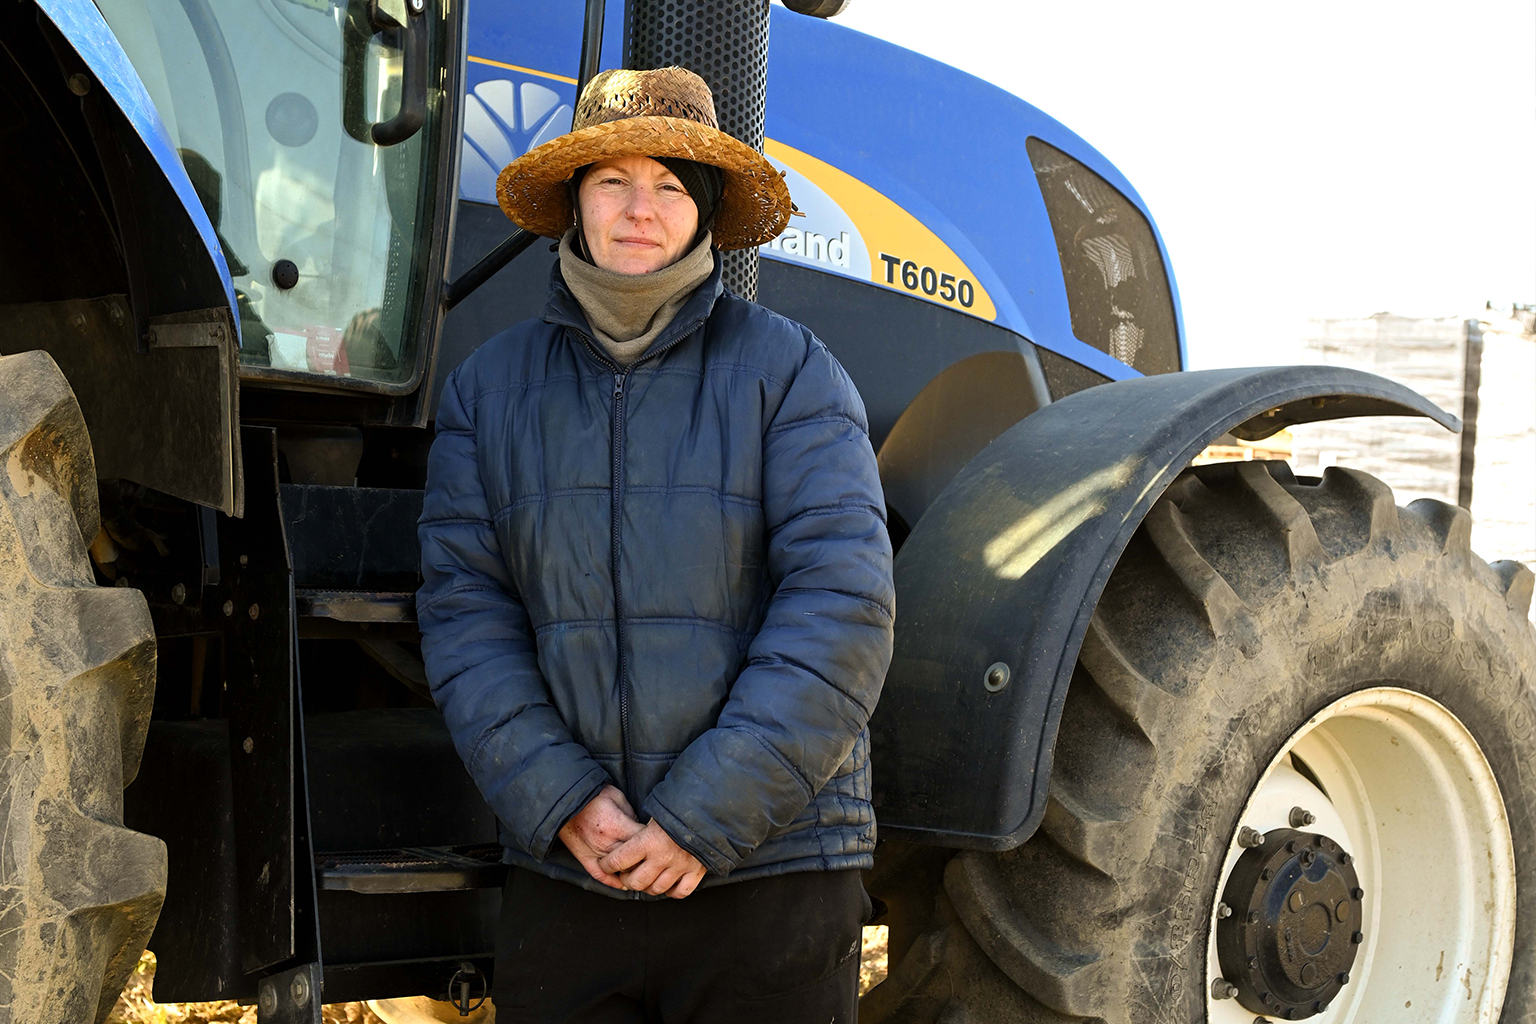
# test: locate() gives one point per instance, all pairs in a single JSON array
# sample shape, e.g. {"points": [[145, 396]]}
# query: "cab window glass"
{"points": [[270, 104]]}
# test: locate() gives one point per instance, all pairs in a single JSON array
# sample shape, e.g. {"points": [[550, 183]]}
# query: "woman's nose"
{"points": [[639, 205]]}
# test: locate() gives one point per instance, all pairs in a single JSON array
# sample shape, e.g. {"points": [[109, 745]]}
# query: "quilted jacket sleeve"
{"points": [[478, 646], [815, 670]]}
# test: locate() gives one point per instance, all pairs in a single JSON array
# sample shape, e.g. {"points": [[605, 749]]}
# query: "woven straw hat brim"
{"points": [[754, 201]]}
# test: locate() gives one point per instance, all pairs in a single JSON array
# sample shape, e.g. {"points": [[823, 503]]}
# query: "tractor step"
{"points": [[357, 606], [413, 869]]}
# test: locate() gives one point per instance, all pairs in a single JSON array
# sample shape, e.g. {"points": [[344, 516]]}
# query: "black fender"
{"points": [[997, 582], [111, 262]]}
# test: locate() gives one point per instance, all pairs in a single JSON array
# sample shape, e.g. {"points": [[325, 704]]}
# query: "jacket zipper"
{"points": [[618, 598], [620, 378]]}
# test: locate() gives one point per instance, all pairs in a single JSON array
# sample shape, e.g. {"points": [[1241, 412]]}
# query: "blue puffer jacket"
{"points": [[675, 579]]}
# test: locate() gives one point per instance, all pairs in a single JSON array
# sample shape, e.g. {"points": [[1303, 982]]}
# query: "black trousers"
{"points": [[780, 950]]}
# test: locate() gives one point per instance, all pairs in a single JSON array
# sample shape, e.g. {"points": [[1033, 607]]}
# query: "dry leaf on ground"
{"points": [[873, 961], [137, 1006]]}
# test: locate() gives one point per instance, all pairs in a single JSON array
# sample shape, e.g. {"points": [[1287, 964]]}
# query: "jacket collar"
{"points": [[562, 309]]}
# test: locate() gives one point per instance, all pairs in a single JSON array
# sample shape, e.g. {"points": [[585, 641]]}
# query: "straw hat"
{"points": [[666, 112]]}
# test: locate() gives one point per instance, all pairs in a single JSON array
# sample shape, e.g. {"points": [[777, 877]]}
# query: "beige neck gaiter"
{"points": [[627, 311]]}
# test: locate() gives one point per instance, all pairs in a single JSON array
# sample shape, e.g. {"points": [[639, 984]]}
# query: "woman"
{"points": [[657, 607]]}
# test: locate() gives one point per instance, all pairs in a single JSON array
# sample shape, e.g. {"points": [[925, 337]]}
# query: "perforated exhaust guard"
{"points": [[725, 42]]}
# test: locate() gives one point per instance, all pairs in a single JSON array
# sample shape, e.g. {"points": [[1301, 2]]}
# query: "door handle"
{"points": [[403, 25]]}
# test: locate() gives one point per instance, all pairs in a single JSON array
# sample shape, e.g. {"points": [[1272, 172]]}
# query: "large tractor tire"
{"points": [[79, 893], [1295, 778]]}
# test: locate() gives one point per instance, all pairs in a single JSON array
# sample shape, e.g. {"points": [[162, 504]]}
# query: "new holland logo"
{"points": [[849, 228], [813, 246], [824, 236]]}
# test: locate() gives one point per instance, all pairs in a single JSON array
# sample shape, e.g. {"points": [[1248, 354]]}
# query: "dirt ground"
{"points": [[873, 964], [137, 1006]]}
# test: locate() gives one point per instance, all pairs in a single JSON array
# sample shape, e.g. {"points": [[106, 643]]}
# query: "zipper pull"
{"points": [[618, 385]]}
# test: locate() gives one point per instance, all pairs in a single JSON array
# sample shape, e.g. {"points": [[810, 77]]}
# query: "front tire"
{"points": [[79, 893], [1247, 604]]}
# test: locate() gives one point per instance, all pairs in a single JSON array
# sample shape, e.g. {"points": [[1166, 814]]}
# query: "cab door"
{"points": [[322, 138]]}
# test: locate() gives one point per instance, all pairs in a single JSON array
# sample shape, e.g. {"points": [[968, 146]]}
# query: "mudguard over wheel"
{"points": [[1313, 663], [79, 893]]}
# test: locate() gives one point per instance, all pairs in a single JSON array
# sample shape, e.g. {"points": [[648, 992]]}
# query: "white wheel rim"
{"points": [[1413, 800]]}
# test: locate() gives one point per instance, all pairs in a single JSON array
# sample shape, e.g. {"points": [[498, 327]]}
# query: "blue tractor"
{"points": [[1159, 743]]}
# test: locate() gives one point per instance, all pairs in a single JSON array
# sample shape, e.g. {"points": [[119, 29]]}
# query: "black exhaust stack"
{"points": [[724, 42]]}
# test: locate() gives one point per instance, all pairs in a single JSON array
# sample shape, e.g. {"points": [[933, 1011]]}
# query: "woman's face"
{"points": [[636, 215]]}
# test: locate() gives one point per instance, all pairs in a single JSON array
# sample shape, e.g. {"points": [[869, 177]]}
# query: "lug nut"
{"points": [[1221, 988], [1343, 977], [1248, 838], [1357, 938]]}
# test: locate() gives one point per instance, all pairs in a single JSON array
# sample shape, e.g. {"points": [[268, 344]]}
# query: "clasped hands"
{"points": [[618, 851]]}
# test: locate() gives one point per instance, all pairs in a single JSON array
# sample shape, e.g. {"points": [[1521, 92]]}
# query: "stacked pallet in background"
{"points": [[1504, 473], [1484, 370], [1438, 358]]}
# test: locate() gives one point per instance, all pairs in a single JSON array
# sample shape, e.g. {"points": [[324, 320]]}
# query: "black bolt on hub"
{"points": [[1290, 944], [1301, 817]]}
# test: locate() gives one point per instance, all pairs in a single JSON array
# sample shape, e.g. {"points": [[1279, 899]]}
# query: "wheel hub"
{"points": [[1294, 929]]}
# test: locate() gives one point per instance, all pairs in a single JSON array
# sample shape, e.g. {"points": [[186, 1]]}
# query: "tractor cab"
{"points": [[319, 139], [1138, 714]]}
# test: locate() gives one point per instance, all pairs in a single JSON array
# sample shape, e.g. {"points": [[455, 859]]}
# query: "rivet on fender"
{"points": [[997, 677]]}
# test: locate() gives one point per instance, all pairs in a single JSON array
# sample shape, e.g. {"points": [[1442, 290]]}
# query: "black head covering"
{"points": [[703, 182]]}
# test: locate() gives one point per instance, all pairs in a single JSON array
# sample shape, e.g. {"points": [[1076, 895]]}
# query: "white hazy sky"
{"points": [[1301, 160]]}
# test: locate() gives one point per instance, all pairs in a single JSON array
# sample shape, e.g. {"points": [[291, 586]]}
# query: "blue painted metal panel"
{"points": [[947, 146], [943, 146], [87, 32]]}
